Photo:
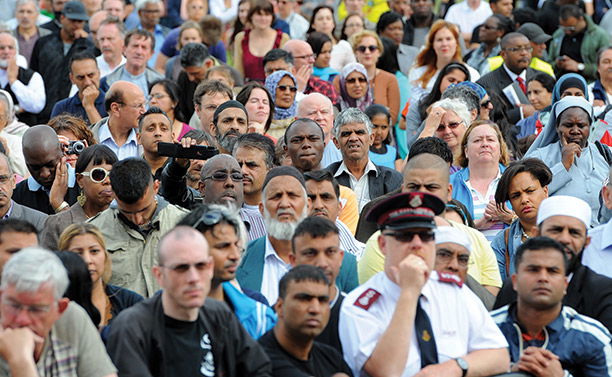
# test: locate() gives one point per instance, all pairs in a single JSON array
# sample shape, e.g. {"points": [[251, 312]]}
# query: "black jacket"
{"points": [[136, 341], [384, 182], [588, 292]]}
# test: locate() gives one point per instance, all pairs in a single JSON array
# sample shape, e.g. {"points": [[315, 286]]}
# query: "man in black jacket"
{"points": [[181, 332]]}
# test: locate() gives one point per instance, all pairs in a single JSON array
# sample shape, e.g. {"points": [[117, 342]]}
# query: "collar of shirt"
{"points": [[271, 253], [105, 134], [34, 186], [10, 210], [369, 167], [555, 326], [513, 75], [157, 30]]}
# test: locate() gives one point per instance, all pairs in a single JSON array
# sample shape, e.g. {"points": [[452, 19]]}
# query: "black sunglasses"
{"points": [[352, 80], [283, 88], [408, 236], [222, 176], [363, 49]]}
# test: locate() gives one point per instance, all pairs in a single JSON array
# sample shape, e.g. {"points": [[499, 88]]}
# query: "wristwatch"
{"points": [[463, 365], [581, 67]]}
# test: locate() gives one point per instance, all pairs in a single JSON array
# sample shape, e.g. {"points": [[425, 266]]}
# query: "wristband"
{"points": [[61, 207]]}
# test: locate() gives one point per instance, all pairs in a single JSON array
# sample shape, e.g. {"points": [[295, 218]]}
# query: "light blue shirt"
{"points": [[34, 186], [129, 149], [598, 255], [331, 154], [140, 80]]}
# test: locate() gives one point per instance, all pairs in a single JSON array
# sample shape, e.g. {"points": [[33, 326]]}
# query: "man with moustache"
{"points": [[566, 219], [266, 260], [110, 40], [229, 122]]}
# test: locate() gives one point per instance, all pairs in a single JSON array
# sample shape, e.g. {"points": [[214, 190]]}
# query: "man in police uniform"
{"points": [[408, 319]]}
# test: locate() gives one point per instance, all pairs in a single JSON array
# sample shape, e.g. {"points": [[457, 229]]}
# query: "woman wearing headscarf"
{"points": [[570, 84], [355, 89], [282, 85], [579, 167]]}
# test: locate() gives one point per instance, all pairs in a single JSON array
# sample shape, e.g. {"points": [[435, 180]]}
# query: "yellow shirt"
{"points": [[350, 212], [372, 10], [482, 265]]}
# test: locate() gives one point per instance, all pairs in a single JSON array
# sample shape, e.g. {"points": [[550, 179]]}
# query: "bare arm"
{"points": [[238, 53]]}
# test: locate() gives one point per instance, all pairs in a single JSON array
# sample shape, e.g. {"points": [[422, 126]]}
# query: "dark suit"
{"points": [[383, 182], [30, 215], [589, 293], [496, 81]]}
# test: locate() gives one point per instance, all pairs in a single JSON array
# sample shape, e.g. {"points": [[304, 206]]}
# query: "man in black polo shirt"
{"points": [[303, 311]]}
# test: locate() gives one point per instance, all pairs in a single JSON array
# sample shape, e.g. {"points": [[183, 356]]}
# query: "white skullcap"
{"points": [[448, 234], [563, 205]]}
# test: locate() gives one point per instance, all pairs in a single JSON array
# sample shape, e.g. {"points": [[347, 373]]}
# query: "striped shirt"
{"points": [[348, 242], [480, 204], [253, 221]]}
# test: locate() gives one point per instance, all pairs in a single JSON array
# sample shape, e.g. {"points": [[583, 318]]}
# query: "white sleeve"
{"points": [[31, 97], [483, 332], [218, 9]]}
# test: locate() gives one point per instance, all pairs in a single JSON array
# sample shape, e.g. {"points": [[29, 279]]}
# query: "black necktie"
{"points": [[425, 337]]}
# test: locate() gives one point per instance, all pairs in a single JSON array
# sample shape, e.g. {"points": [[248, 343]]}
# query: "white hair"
{"points": [[458, 107], [302, 109], [24, 2], [140, 4], [33, 267], [282, 230]]}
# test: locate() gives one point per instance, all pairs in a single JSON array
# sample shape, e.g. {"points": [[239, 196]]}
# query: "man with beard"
{"points": [[577, 345], [224, 231], [421, 20], [284, 205], [566, 219], [229, 122]]}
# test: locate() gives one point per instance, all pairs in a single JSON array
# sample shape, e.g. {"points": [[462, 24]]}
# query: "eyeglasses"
{"points": [[222, 176], [156, 96], [5, 178], [138, 106], [308, 57], [283, 88], [353, 25], [408, 236], [452, 126], [518, 49], [363, 49], [184, 267], [485, 104], [352, 80], [445, 256], [97, 175], [15, 308]]}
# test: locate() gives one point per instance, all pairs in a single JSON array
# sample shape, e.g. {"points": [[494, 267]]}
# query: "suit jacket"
{"points": [[250, 271], [385, 181], [589, 293], [495, 81], [30, 215]]}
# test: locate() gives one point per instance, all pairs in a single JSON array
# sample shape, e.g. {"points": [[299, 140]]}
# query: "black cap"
{"points": [[534, 33], [407, 210], [74, 10]]}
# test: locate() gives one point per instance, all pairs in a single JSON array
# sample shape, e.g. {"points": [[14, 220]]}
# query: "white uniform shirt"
{"points": [[274, 269], [459, 321]]}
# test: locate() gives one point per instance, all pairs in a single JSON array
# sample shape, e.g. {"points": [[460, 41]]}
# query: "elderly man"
{"points": [[399, 321], [230, 120], [580, 345], [209, 95], [138, 50], [53, 334], [566, 219], [25, 86], [110, 41], [303, 312], [353, 136], [598, 254], [149, 14], [284, 205], [195, 60], [125, 103], [180, 329], [51, 187], [319, 108], [52, 54], [133, 226], [88, 102]]}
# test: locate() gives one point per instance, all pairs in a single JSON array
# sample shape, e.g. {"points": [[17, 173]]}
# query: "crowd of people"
{"points": [[305, 188]]}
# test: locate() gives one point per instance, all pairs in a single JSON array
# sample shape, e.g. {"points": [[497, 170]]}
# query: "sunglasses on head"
{"points": [[283, 88], [210, 218], [97, 175], [408, 235], [352, 80], [363, 49]]}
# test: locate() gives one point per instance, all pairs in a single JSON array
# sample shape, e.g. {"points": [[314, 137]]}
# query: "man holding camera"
{"points": [[154, 127]]}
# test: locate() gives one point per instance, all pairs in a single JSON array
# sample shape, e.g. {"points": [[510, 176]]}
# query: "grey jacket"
{"points": [[109, 79], [30, 215]]}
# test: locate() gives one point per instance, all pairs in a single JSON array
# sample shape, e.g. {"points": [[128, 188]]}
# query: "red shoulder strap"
{"points": [[367, 298]]}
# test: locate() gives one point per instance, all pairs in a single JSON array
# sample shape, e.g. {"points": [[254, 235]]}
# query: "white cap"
{"points": [[448, 234], [563, 205]]}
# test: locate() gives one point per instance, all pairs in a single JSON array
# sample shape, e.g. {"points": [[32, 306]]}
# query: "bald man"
{"points": [[125, 103], [303, 63], [51, 186]]}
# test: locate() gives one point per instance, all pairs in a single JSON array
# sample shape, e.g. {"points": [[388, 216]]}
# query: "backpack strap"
{"points": [[507, 253]]}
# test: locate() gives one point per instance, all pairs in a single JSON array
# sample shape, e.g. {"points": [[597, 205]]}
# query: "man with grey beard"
{"points": [[284, 205], [229, 122]]}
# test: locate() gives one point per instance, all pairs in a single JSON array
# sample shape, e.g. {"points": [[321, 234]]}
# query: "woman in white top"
{"points": [[441, 47], [225, 10], [323, 21]]}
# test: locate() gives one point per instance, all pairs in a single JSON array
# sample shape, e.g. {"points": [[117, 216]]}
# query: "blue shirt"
{"points": [[74, 106], [499, 247], [34, 186], [598, 255], [129, 149]]}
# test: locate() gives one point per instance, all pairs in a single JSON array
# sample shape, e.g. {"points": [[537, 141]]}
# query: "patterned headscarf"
{"points": [[345, 100], [271, 84]]}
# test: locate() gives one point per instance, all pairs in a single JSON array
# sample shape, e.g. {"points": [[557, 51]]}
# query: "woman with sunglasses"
{"points": [[282, 85], [355, 88], [164, 94], [87, 241], [92, 170]]}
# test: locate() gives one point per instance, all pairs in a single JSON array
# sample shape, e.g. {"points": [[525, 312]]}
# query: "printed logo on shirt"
{"points": [[367, 298], [207, 367]]}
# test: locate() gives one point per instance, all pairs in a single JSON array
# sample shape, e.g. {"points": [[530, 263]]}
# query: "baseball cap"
{"points": [[534, 33], [74, 10]]}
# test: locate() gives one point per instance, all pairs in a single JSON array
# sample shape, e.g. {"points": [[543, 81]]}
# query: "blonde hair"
{"points": [[428, 58], [356, 38], [504, 157], [80, 229]]}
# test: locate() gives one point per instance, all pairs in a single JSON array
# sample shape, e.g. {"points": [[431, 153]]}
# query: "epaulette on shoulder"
{"points": [[450, 279], [367, 298]]}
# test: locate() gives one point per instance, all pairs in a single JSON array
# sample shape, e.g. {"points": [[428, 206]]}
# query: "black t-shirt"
{"points": [[323, 360], [330, 334], [187, 349]]}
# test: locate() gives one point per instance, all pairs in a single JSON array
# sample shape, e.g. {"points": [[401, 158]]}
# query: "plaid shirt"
{"points": [[316, 85]]}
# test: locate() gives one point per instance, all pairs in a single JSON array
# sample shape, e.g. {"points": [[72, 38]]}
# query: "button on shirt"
{"points": [[129, 149], [273, 271], [459, 321], [361, 186], [598, 255]]}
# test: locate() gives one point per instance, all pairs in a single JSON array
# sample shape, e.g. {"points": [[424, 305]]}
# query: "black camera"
{"points": [[196, 152], [75, 147]]}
